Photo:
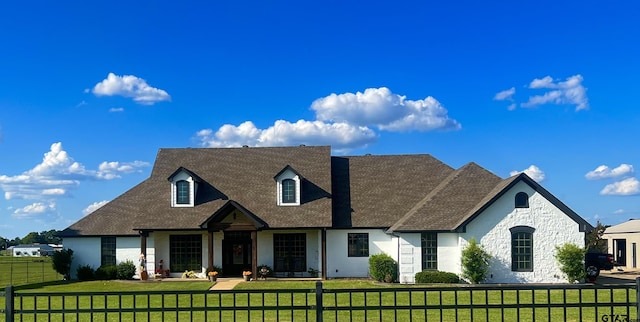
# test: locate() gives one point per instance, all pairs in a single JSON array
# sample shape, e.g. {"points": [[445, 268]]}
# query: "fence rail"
{"points": [[524, 302], [26, 270]]}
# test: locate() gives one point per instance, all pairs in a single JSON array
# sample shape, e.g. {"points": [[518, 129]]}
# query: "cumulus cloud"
{"points": [[506, 95], [532, 171], [604, 172], [57, 173], [570, 92], [283, 133], [387, 111], [94, 206], [34, 210], [343, 121], [132, 87], [626, 187]]}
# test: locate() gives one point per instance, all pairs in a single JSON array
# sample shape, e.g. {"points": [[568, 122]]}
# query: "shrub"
{"points": [[126, 270], [85, 273], [571, 260], [108, 272], [437, 277], [383, 268], [61, 262], [475, 262]]}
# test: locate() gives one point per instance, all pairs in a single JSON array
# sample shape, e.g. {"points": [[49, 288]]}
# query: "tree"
{"points": [[61, 262], [594, 240], [571, 260], [475, 262]]}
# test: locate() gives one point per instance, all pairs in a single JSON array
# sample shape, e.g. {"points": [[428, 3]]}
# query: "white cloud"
{"points": [[283, 133], [343, 121], [506, 95], [604, 172], [570, 92], [57, 173], [626, 187], [618, 211], [34, 210], [381, 108], [116, 109], [532, 171], [94, 206], [130, 86]]}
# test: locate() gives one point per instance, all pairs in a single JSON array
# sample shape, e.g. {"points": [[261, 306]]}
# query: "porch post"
{"points": [[254, 253], [210, 248], [324, 252], [143, 242]]}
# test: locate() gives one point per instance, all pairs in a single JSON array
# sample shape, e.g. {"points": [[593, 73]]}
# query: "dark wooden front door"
{"points": [[236, 253]]}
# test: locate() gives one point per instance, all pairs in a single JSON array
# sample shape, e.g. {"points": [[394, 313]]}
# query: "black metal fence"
{"points": [[522, 302], [26, 270]]}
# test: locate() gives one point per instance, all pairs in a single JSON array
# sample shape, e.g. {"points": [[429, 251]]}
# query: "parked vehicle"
{"points": [[594, 262]]}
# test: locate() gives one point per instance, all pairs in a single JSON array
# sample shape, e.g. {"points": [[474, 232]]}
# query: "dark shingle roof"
{"points": [[244, 175], [399, 192]]}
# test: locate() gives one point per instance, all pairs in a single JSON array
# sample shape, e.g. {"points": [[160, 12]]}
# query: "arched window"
{"points": [[522, 200], [183, 195], [288, 191], [522, 248]]}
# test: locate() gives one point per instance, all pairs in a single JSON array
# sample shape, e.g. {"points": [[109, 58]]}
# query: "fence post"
{"points": [[8, 305], [637, 298], [319, 305]]}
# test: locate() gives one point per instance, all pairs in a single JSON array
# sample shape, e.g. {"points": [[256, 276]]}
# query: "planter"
{"points": [[144, 275], [247, 278], [213, 278]]}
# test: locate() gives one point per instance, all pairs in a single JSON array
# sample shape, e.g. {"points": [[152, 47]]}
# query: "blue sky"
{"points": [[89, 92]]}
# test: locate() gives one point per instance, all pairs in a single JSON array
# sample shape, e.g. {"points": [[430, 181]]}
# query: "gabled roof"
{"points": [[290, 168], [631, 226], [450, 201], [183, 169]]}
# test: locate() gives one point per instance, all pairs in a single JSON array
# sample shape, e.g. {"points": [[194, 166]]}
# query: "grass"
{"points": [[188, 300], [26, 270]]}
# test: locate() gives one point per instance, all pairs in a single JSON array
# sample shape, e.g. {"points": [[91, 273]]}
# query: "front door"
{"points": [[236, 252], [621, 251]]}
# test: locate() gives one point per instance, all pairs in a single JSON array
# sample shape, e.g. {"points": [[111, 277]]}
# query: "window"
{"points": [[185, 253], [290, 252], [522, 200], [107, 251], [288, 191], [358, 245], [522, 249], [429, 251], [182, 192]]}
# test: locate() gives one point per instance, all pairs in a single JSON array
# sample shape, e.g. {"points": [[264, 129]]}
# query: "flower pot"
{"points": [[247, 278], [213, 278]]}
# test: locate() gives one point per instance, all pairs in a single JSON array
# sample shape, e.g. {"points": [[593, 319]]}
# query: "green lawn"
{"points": [[171, 301], [26, 270]]}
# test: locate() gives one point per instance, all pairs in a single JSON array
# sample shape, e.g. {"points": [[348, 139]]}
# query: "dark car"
{"points": [[594, 262]]}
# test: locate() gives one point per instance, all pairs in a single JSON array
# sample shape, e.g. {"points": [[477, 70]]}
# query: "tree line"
{"points": [[43, 237]]}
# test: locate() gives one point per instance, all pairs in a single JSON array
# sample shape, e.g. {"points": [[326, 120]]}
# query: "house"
{"points": [[299, 209], [622, 242], [35, 250]]}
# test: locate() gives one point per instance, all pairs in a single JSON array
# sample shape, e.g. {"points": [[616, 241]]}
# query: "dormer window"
{"points": [[288, 187], [288, 191], [184, 186], [183, 195]]}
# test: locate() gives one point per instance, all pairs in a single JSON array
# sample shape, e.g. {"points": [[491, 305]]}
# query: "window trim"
{"points": [[289, 188], [521, 200], [429, 259], [517, 257], [356, 244], [183, 184]]}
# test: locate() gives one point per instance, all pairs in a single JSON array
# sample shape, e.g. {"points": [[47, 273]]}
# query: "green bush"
{"points": [[475, 262], [571, 260], [85, 273], [126, 270], [383, 268], [437, 277], [61, 262], [108, 272]]}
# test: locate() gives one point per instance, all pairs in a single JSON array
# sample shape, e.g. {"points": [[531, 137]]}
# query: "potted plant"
{"points": [[213, 276], [246, 275]]}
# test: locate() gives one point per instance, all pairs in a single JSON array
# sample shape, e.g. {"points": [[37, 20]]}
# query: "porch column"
{"points": [[210, 248], [254, 253], [143, 242], [323, 252]]}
